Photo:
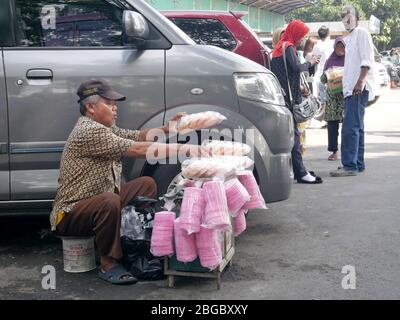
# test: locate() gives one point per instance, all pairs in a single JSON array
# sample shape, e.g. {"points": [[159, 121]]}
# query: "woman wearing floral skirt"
{"points": [[335, 101]]}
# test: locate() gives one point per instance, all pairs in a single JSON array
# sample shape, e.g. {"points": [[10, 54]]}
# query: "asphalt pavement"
{"points": [[297, 249]]}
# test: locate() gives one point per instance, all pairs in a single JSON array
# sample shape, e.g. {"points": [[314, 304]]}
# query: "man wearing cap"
{"points": [[90, 196]]}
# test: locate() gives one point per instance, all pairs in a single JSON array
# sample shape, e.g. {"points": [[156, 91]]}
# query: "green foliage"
{"points": [[388, 11]]}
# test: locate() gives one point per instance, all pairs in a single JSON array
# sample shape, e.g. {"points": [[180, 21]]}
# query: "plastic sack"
{"points": [[138, 260], [209, 247], [236, 196], [335, 79], [163, 232], [248, 180], [239, 223], [199, 121], [192, 210], [239, 163], [136, 225], [227, 148], [185, 245], [206, 168], [216, 214], [222, 167]]}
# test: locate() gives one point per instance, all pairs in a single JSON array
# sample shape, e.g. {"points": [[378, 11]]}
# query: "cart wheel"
{"points": [[171, 281], [218, 280]]}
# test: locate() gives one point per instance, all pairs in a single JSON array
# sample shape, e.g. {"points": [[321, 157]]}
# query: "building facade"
{"points": [[259, 18]]}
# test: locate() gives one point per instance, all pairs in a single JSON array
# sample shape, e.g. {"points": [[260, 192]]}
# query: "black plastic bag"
{"points": [[136, 229], [139, 261]]}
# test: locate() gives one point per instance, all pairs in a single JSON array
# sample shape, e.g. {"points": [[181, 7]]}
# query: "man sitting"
{"points": [[90, 195]]}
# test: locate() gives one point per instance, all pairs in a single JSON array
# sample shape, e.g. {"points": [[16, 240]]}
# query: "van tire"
{"points": [[163, 175]]}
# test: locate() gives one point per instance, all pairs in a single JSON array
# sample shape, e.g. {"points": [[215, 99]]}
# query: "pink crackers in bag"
{"points": [[185, 245], [239, 224], [209, 247], [249, 182], [192, 209], [216, 214], [236, 195], [163, 233]]}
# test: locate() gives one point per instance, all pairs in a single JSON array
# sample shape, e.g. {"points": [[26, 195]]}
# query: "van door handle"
{"points": [[39, 74]]}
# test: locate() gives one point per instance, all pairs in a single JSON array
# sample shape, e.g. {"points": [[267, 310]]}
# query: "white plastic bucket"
{"points": [[78, 254]]}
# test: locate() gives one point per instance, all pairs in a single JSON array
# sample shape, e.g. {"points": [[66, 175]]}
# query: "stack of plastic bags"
{"points": [[163, 233], [185, 245], [237, 196], [192, 209], [209, 247], [249, 182], [239, 224], [216, 214]]}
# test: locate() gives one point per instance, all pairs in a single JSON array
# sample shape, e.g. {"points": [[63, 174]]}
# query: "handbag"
{"points": [[305, 110]]}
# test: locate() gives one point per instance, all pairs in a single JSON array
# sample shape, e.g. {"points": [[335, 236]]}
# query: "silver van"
{"points": [[49, 47]]}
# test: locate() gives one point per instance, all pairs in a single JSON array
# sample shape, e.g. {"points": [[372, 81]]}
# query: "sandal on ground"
{"points": [[117, 275], [333, 157], [318, 180]]}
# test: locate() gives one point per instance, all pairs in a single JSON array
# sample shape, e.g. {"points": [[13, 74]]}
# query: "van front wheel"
{"points": [[164, 175]]}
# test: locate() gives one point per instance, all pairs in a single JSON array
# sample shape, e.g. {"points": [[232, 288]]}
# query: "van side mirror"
{"points": [[135, 28]]}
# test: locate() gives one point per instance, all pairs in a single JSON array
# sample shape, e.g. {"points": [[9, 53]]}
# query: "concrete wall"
{"points": [[259, 19]]}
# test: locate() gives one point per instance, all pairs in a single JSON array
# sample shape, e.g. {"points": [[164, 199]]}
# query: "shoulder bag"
{"points": [[305, 110]]}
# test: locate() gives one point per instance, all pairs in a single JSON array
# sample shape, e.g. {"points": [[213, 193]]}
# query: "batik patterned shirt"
{"points": [[90, 164]]}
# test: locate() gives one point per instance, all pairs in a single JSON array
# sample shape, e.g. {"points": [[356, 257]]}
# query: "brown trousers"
{"points": [[101, 216]]}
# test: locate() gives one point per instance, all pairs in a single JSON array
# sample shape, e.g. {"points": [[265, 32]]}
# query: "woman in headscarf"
{"points": [[335, 101], [296, 34]]}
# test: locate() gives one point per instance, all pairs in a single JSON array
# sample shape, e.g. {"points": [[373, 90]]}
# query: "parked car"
{"points": [[383, 75], [223, 29], [49, 48]]}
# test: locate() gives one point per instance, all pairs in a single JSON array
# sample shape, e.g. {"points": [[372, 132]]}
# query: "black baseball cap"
{"points": [[98, 87]]}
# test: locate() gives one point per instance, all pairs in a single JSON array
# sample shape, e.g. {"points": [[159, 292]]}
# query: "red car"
{"points": [[222, 29]]}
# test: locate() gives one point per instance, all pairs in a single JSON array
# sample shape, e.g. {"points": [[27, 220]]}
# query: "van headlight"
{"points": [[263, 87]]}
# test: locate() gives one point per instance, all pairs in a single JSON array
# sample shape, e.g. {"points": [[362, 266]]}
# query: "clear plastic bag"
{"points": [[206, 168], [240, 163], [215, 167], [136, 225], [199, 121], [227, 148]]}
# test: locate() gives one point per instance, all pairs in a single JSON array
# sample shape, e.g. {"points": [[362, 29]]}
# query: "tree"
{"points": [[388, 11]]}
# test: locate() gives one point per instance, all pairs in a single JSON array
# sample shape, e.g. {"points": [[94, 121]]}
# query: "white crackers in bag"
{"points": [[197, 121]]}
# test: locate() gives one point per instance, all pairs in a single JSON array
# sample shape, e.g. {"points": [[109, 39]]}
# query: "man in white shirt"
{"points": [[358, 87], [323, 49]]}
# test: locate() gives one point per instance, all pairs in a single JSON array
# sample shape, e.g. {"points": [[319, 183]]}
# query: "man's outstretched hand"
{"points": [[172, 125]]}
